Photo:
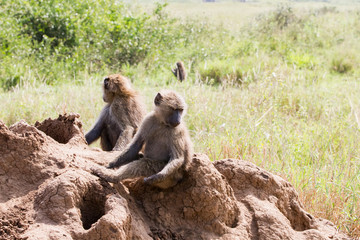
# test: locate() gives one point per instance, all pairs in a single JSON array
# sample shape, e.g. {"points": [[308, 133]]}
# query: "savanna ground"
{"points": [[275, 83]]}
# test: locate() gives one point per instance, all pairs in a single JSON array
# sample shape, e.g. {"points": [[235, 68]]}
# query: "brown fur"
{"points": [[121, 117], [165, 141], [179, 71]]}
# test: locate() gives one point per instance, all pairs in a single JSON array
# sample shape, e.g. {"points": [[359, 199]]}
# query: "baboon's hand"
{"points": [[111, 165], [153, 179], [96, 171]]}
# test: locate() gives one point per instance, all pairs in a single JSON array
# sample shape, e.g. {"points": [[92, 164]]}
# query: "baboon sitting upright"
{"points": [[166, 145], [179, 71], [121, 117]]}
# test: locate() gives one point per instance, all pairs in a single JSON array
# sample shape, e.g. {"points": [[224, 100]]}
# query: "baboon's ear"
{"points": [[106, 82], [158, 99]]}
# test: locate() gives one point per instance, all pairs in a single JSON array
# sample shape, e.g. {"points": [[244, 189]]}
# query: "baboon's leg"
{"points": [[143, 167], [105, 141]]}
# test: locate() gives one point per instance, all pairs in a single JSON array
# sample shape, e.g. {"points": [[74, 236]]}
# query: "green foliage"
{"points": [[48, 21], [281, 18], [73, 35], [301, 60], [222, 72], [341, 65], [133, 39], [11, 82], [61, 40], [247, 47]]}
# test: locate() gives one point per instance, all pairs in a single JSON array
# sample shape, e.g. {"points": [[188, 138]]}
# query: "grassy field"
{"points": [[277, 85]]}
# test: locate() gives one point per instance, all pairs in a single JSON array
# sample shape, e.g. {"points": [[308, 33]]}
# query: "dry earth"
{"points": [[47, 192]]}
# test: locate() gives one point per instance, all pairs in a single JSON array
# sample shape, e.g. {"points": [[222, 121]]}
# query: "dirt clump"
{"points": [[205, 202], [47, 192], [66, 128]]}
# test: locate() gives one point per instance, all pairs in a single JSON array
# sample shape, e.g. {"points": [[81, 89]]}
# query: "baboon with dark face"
{"points": [[121, 117], [179, 71], [166, 145]]}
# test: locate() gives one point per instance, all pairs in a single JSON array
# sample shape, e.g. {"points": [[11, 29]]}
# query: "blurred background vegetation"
{"points": [[52, 41], [272, 82]]}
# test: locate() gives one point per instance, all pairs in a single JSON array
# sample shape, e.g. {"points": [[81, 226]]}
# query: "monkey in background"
{"points": [[120, 118], [166, 144], [179, 71]]}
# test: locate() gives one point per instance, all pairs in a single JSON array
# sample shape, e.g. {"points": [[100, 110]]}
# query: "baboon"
{"points": [[179, 71], [166, 144], [120, 118]]}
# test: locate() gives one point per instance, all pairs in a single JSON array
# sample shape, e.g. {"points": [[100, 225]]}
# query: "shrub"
{"points": [[10, 82], [279, 19], [133, 39], [341, 65], [221, 72], [301, 60], [49, 20], [75, 36], [104, 30]]}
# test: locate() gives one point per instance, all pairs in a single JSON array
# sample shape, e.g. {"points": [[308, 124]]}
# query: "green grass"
{"points": [[309, 135], [279, 89]]}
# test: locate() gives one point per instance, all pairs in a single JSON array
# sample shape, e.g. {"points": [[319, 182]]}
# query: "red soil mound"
{"points": [[47, 192]]}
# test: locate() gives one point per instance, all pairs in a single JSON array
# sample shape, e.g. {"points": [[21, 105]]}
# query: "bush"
{"points": [[133, 39], [301, 60], [10, 82], [101, 27], [279, 19], [341, 65], [74, 36], [222, 72], [49, 21]]}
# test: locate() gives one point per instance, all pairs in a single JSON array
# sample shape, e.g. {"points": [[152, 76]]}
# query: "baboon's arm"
{"points": [[168, 170], [177, 159], [175, 72], [124, 138], [95, 132], [130, 153], [178, 150]]}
